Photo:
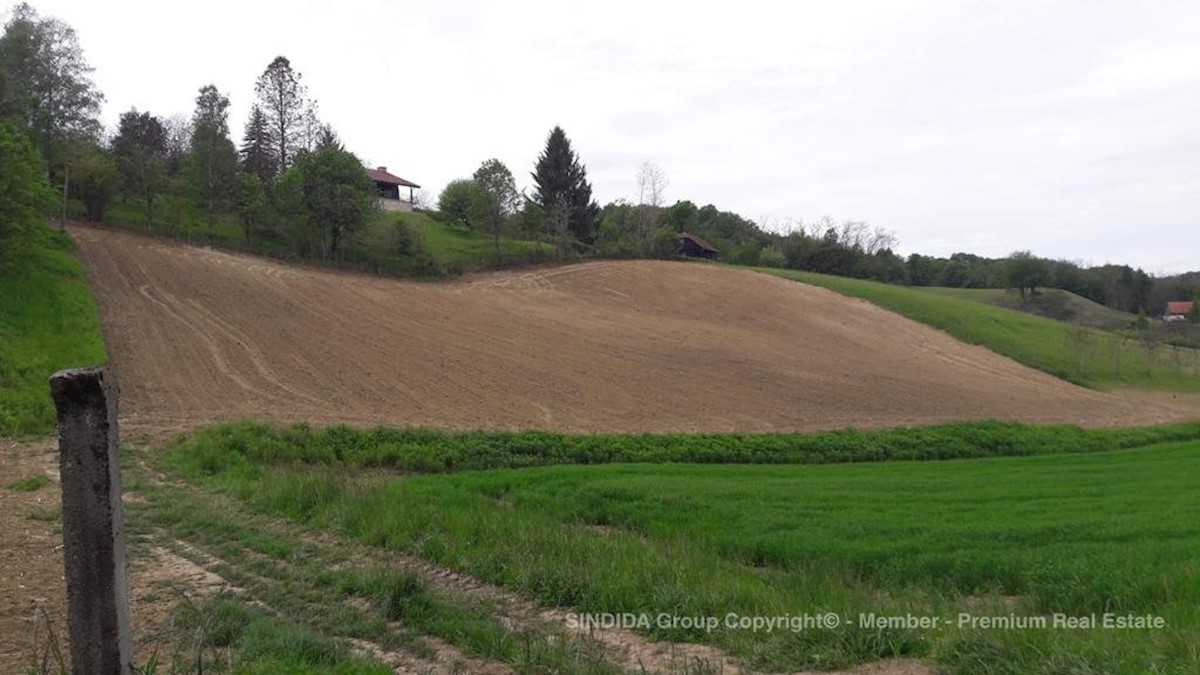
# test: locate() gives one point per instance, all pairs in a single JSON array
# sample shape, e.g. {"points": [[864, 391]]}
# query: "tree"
{"points": [[563, 190], [1024, 272], [212, 165], [45, 84], [460, 201], [500, 199], [338, 194], [178, 128], [1194, 315], [652, 181], [23, 190], [258, 148], [289, 114], [140, 147], [95, 179], [250, 202]]}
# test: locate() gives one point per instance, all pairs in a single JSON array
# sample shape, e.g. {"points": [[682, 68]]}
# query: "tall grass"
{"points": [[1079, 533], [249, 444], [1085, 356], [48, 321]]}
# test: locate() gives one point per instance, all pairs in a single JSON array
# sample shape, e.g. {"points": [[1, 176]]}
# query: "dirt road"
{"points": [[639, 346]]}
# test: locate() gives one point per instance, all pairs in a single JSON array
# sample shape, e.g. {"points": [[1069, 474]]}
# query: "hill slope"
{"points": [[1085, 355], [199, 336]]}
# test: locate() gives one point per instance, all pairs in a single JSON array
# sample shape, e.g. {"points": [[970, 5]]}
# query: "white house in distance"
{"points": [[388, 186]]}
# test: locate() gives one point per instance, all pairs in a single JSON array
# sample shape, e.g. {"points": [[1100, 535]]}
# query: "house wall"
{"points": [[394, 205]]}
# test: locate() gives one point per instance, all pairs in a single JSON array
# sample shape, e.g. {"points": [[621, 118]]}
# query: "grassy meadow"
{"points": [[48, 322], [1086, 356], [1078, 523]]}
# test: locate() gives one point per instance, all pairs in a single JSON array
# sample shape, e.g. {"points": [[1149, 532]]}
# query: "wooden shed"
{"points": [[695, 247]]}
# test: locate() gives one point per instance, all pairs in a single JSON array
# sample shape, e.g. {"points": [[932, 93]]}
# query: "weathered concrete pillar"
{"points": [[93, 522]]}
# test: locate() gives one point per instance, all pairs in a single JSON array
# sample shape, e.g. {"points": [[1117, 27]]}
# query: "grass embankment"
{"points": [[1052, 303], [1088, 532], [443, 249], [48, 321], [1086, 356]]}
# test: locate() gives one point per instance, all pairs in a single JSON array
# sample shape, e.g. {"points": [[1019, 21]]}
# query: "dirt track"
{"points": [[199, 336]]}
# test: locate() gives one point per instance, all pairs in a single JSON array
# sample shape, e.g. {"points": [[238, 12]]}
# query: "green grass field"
{"points": [[48, 321], [1094, 531], [1086, 356]]}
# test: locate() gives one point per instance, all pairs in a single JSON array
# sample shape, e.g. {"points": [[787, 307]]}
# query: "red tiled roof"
{"points": [[1179, 307], [704, 245], [380, 176]]}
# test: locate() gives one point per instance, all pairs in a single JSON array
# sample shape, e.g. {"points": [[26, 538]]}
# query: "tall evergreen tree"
{"points": [[563, 188], [212, 166], [257, 155]]}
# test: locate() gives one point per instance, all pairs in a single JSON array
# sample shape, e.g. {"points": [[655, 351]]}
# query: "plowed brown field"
{"points": [[198, 336]]}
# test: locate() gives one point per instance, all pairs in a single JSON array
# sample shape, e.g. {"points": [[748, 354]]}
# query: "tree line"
{"points": [[290, 183], [290, 186]]}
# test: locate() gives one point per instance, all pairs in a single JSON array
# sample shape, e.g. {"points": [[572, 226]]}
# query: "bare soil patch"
{"points": [[199, 336]]}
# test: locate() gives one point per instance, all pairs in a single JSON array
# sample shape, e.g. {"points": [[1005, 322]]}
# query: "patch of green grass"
{"points": [[30, 484], [1077, 533], [465, 248], [1052, 303], [49, 514], [247, 446], [1085, 356], [48, 322], [256, 642]]}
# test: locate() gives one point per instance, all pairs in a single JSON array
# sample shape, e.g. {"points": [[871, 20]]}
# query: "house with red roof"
{"points": [[388, 185], [1178, 310]]}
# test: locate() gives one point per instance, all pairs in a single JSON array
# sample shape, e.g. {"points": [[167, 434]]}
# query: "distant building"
{"points": [[695, 247], [389, 186], [1178, 310]]}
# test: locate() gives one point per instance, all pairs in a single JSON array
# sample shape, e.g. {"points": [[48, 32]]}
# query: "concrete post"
{"points": [[93, 522]]}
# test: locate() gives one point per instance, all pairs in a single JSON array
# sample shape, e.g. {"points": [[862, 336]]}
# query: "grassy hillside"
{"points": [[1071, 533], [1052, 303], [471, 249], [48, 321], [1083, 355]]}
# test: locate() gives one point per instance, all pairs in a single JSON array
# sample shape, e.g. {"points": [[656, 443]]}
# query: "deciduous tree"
{"points": [[140, 147], [338, 195], [23, 190], [283, 99], [45, 81], [460, 201], [500, 199]]}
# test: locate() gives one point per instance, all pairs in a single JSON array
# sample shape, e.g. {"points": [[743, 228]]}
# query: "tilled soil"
{"points": [[198, 336]]}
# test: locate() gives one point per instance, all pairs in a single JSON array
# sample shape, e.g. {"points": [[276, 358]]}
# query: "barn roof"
{"points": [[1179, 307], [704, 245], [380, 175]]}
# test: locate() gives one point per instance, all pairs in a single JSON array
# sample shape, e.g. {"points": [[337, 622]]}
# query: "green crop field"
{"points": [[1073, 528], [48, 322], [1087, 356]]}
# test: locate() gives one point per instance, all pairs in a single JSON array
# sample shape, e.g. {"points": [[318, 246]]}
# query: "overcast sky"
{"points": [[1070, 128]]}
